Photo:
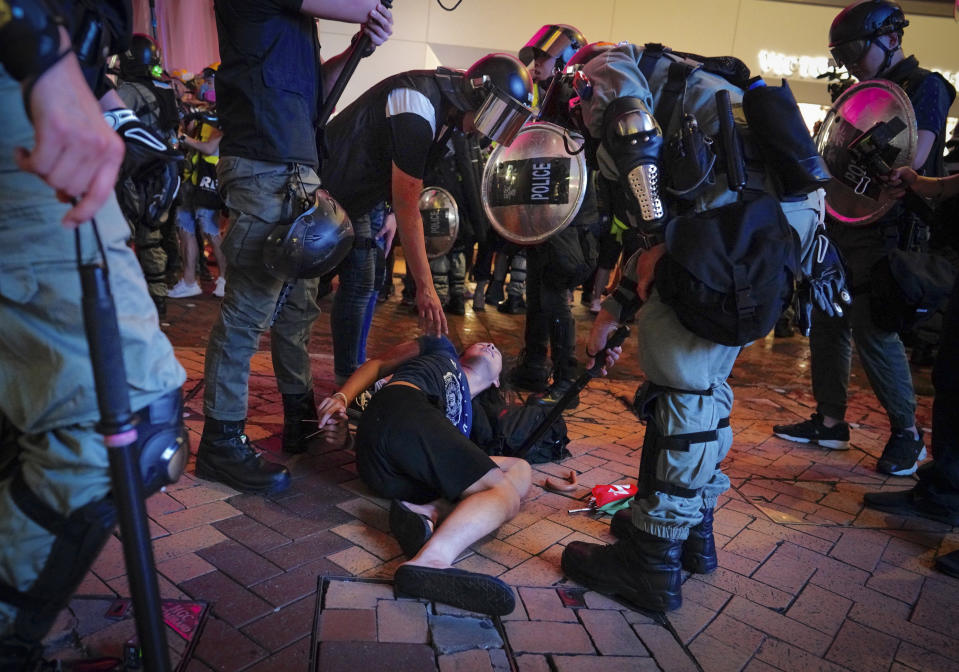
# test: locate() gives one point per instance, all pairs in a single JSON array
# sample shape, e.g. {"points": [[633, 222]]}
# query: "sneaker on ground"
{"points": [[181, 290], [220, 288], [814, 431], [555, 392], [902, 453], [595, 306]]}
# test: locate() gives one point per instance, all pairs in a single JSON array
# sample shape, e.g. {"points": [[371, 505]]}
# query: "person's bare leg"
{"points": [[218, 254], [485, 505], [189, 247], [436, 511]]}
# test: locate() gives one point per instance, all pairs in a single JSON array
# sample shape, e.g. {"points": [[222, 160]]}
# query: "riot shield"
{"points": [[870, 130], [441, 220], [534, 187]]}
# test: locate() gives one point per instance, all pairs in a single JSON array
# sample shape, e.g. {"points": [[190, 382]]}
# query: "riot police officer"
{"points": [[549, 323], [381, 146], [153, 101], [629, 103], [866, 37], [56, 505]]}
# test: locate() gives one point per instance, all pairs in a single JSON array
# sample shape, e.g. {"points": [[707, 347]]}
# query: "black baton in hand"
{"points": [[599, 361], [356, 53]]}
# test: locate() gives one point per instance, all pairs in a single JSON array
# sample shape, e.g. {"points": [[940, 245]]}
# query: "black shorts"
{"points": [[407, 449]]}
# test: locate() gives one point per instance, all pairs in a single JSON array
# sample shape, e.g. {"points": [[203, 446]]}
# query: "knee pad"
{"points": [[162, 442], [78, 540], [656, 442]]}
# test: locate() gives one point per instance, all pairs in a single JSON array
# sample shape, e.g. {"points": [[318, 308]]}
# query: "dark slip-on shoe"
{"points": [[411, 529], [456, 587]]}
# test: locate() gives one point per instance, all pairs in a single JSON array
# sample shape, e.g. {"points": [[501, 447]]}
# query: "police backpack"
{"points": [[728, 272]]}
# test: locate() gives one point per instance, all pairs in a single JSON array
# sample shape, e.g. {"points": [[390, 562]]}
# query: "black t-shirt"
{"points": [[436, 371], [399, 120], [268, 86]]}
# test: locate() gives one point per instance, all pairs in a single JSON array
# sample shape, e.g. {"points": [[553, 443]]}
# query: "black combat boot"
{"points": [[644, 570], [456, 305], [513, 305], [300, 422], [495, 292], [160, 303], [529, 374], [699, 549], [225, 455]]}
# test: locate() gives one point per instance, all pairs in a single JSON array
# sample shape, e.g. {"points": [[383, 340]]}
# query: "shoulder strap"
{"points": [[675, 89]]}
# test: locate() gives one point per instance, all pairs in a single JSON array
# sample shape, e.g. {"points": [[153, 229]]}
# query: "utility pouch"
{"points": [[787, 147], [688, 160]]}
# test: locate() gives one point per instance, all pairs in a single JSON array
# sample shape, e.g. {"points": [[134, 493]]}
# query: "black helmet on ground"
{"points": [[858, 25], [141, 58], [313, 244], [557, 40]]}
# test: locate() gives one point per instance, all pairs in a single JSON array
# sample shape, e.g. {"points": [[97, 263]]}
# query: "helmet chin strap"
{"points": [[887, 55]]}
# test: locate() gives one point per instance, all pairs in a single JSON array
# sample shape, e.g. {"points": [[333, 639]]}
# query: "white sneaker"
{"points": [[181, 290], [220, 288], [595, 306]]}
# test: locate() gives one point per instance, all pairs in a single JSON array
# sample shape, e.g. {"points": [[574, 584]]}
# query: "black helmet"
{"points": [[854, 29], [499, 90], [313, 244], [557, 40], [141, 58], [146, 195]]}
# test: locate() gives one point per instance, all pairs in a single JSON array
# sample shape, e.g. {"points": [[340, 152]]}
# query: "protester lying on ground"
{"points": [[412, 447]]}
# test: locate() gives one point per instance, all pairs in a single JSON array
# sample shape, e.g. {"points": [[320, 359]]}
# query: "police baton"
{"points": [[599, 361], [118, 427], [356, 53]]}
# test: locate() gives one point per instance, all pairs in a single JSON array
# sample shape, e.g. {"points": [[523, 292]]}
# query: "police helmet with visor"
{"points": [[559, 41], [857, 27], [498, 90]]}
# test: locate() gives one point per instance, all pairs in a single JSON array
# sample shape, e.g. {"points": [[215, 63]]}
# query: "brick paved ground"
{"points": [[808, 580]]}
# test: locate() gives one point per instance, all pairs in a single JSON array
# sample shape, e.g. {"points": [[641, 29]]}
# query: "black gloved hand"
{"points": [[825, 286], [143, 145]]}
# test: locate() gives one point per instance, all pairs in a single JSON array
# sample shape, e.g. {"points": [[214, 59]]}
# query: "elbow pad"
{"points": [[634, 140], [29, 38]]}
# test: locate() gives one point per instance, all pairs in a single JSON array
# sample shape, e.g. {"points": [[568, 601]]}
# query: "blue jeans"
{"points": [[256, 193], [348, 316], [881, 352]]}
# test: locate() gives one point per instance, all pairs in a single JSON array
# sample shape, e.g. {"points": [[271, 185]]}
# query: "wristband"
{"points": [[342, 396]]}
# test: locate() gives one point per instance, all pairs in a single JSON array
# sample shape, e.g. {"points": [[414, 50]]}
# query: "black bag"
{"points": [[501, 428], [906, 288], [571, 256], [728, 272], [788, 149]]}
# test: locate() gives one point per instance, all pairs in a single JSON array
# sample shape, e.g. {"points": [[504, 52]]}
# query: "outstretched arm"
{"points": [[927, 187], [369, 372], [409, 221]]}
